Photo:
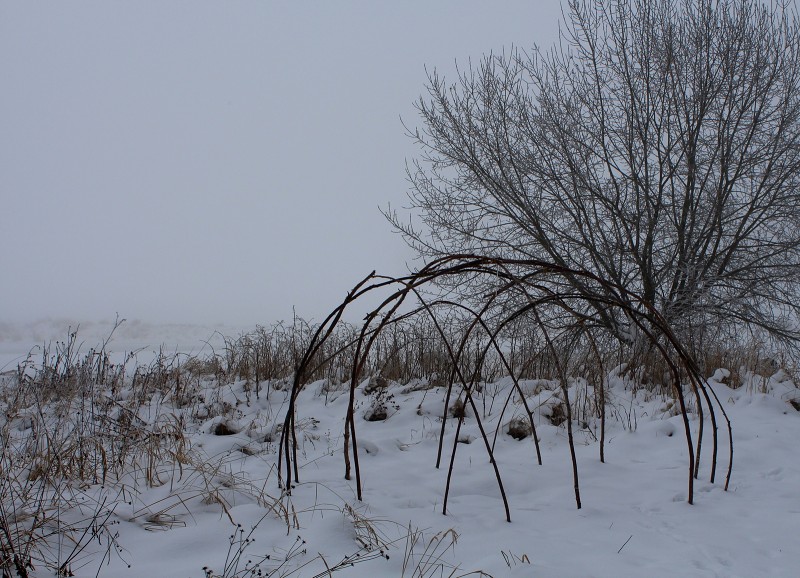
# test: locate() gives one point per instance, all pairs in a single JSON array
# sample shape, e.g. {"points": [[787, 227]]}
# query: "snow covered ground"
{"points": [[17, 340], [221, 508]]}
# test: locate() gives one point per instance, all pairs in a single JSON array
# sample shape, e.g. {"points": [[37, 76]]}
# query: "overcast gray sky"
{"points": [[216, 162]]}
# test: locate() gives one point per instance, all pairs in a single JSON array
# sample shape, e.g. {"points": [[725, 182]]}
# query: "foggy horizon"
{"points": [[209, 163]]}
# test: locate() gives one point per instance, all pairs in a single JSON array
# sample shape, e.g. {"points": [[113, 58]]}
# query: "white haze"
{"points": [[208, 162]]}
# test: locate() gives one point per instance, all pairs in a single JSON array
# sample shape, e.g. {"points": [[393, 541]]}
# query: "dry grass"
{"points": [[73, 421]]}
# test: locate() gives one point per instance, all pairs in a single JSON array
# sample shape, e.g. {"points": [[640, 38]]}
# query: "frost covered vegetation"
{"points": [[592, 375], [196, 466]]}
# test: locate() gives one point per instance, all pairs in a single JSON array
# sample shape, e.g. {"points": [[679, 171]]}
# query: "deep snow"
{"points": [[635, 520]]}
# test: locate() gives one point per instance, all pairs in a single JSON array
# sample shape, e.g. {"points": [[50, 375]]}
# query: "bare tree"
{"points": [[657, 146]]}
